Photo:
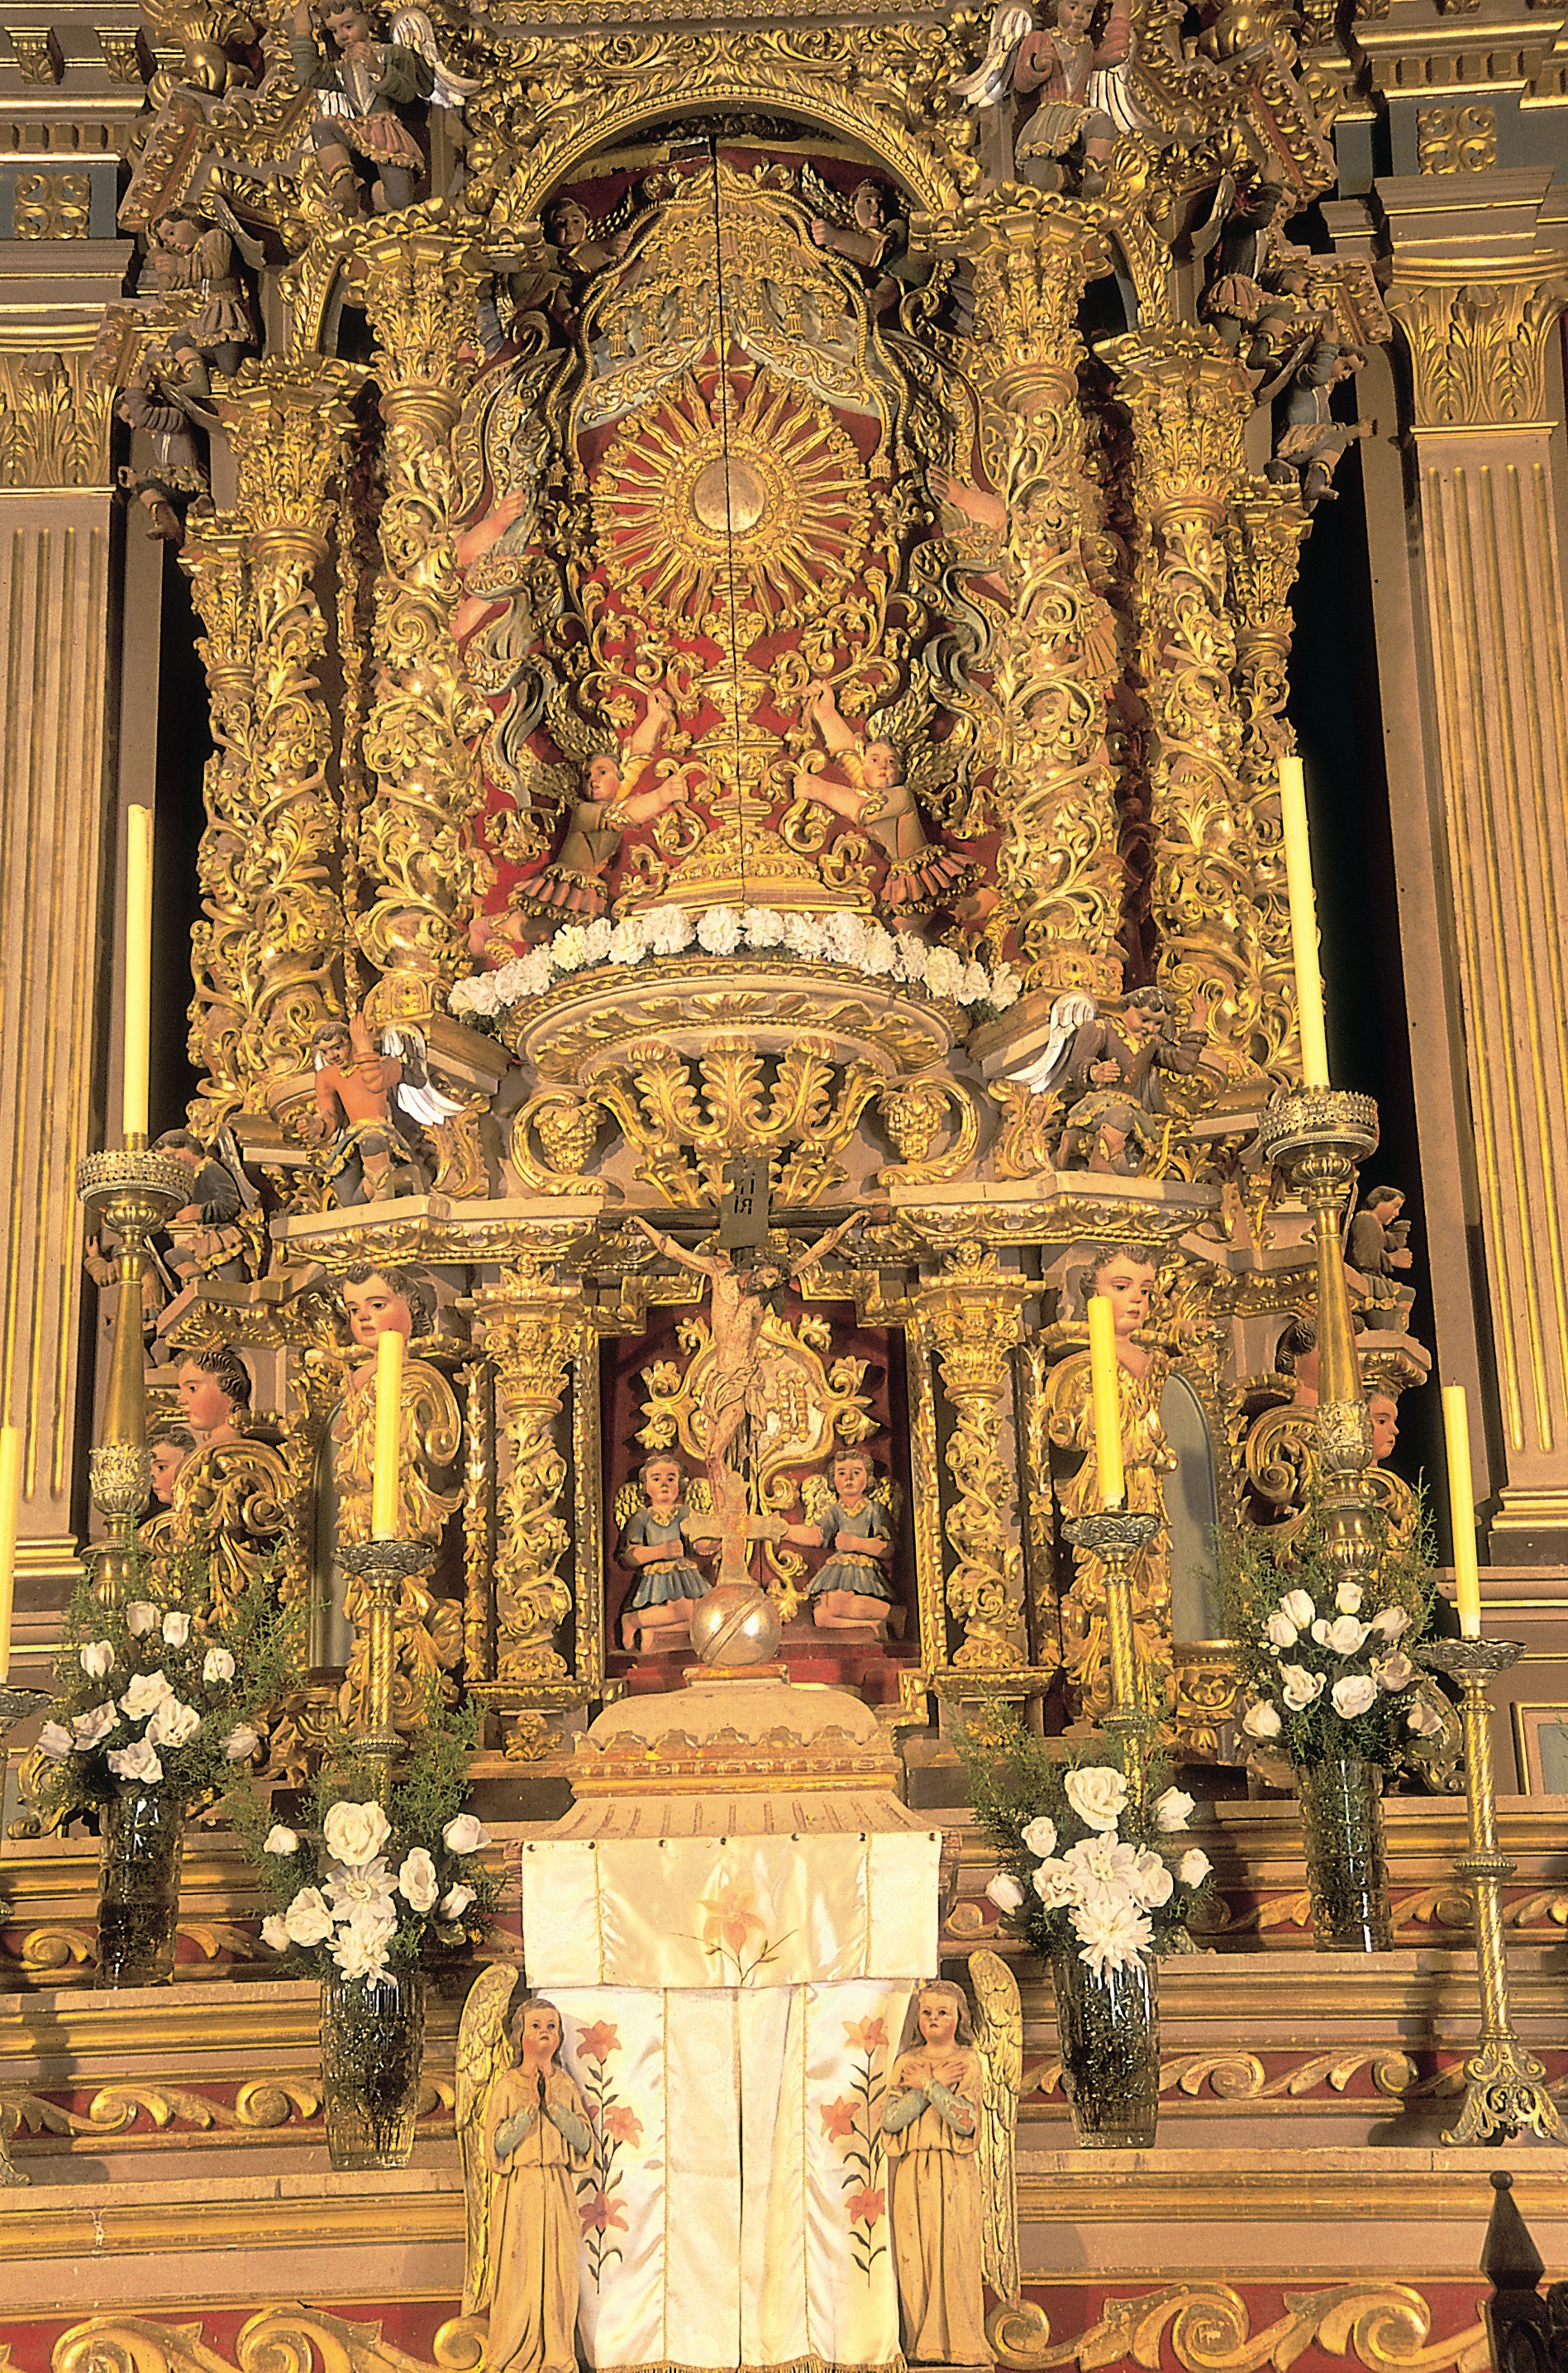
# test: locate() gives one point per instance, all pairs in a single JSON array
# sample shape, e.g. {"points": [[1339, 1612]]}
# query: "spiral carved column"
{"points": [[288, 428], [1060, 869], [416, 867], [533, 1331], [1264, 537], [221, 943], [1188, 405]]}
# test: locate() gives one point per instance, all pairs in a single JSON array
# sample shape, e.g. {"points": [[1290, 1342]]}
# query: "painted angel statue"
{"points": [[523, 2129], [949, 2122]]}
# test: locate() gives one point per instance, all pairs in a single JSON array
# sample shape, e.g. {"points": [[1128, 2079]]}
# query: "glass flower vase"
{"points": [[1347, 1871], [372, 2052], [1107, 2031], [138, 1902]]}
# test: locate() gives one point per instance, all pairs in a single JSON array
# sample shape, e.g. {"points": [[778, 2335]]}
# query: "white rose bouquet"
{"points": [[148, 1696], [1326, 1663], [371, 1885], [1089, 1864]]}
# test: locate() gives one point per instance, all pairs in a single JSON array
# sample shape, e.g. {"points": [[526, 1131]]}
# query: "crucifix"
{"points": [[741, 1279]]}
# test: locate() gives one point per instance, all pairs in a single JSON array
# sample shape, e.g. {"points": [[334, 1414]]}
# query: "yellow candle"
{"points": [[1304, 926], [1107, 1387], [138, 968], [1461, 1509], [386, 1509], [10, 1502]]}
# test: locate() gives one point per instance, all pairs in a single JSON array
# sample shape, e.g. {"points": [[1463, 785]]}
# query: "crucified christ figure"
{"points": [[737, 1307]]}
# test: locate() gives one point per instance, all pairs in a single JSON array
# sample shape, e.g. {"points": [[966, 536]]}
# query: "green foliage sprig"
{"points": [[1093, 1856], [377, 1883], [151, 1695], [1326, 1664]]}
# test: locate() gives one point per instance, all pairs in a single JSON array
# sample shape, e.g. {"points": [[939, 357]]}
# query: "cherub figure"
{"points": [[570, 232], [168, 1446], [536, 2134], [658, 1611], [868, 790], [362, 83], [371, 1099], [853, 1587], [931, 2128], [204, 1240], [1251, 241], [171, 400], [737, 1305], [215, 1391], [572, 883]]}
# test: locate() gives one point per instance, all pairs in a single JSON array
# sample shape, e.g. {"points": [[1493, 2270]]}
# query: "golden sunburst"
{"points": [[772, 499]]}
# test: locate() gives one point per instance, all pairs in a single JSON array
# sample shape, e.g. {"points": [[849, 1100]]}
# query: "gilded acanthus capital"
{"points": [[1031, 255], [1189, 402], [288, 422], [419, 291], [1478, 336]]}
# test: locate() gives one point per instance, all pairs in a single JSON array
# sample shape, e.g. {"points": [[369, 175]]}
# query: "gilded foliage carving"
{"points": [[1055, 653], [1263, 539], [54, 417], [1189, 406], [533, 1332], [288, 426], [222, 944], [415, 871], [1478, 345], [971, 1319]]}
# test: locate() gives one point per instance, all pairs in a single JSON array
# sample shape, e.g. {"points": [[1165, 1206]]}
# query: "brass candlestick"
{"points": [[1506, 2087], [1115, 1535], [1317, 1138], [382, 1567], [16, 1705], [134, 1193]]}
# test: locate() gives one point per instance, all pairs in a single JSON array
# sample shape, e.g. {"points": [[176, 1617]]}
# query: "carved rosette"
{"points": [[970, 1318], [1188, 405], [221, 943], [1058, 659], [288, 428], [1263, 540], [533, 1331], [417, 875]]}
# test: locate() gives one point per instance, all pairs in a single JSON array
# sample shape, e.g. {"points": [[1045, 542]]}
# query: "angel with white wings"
{"points": [[360, 86], [950, 2121], [1082, 78], [372, 1098], [523, 2130]]}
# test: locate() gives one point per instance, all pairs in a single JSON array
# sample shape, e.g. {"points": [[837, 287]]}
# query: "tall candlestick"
{"points": [[1461, 1509], [385, 1511], [138, 970], [1106, 1387], [1303, 925], [10, 1502]]}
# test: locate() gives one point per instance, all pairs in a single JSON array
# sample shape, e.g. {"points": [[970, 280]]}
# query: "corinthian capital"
{"points": [[288, 421], [1189, 404], [1477, 337]]}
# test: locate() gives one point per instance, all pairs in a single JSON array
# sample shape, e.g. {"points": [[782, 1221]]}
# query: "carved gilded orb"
{"points": [[735, 1624]]}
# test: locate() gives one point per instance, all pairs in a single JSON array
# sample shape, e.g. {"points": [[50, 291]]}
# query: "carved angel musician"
{"points": [[868, 790], [949, 2120], [360, 87], [188, 253], [523, 2128]]}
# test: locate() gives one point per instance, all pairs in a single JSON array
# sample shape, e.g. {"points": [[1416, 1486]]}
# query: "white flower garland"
{"points": [[839, 938]]}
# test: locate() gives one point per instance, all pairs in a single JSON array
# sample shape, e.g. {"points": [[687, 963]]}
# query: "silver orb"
{"points": [[735, 1624]]}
